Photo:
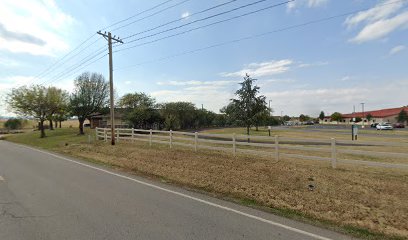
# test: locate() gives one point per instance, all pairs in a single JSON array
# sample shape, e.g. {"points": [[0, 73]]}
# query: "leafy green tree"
{"points": [[172, 122], [286, 118], [181, 115], [369, 117], [402, 116], [135, 100], [58, 102], [31, 102], [336, 116], [141, 110], [261, 118], [321, 115], [220, 120], [304, 118], [358, 119], [230, 111], [90, 95], [248, 104], [13, 124]]}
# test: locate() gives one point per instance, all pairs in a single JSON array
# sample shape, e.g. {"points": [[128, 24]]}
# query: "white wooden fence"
{"points": [[330, 150]]}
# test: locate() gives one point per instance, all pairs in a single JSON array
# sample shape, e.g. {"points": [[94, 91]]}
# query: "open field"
{"points": [[310, 132], [32, 124], [367, 202]]}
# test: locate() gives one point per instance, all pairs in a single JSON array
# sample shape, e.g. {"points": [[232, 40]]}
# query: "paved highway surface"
{"points": [[48, 196]]}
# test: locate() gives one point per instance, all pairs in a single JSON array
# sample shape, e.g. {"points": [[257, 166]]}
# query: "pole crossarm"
{"points": [[105, 35]]}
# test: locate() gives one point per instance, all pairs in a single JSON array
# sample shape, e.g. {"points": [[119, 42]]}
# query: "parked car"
{"points": [[384, 126], [398, 125], [374, 125], [309, 123]]}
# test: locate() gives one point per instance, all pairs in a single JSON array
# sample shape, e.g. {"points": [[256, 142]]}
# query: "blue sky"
{"points": [[330, 65]]}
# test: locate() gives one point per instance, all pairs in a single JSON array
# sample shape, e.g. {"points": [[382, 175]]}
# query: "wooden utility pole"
{"points": [[109, 37]]}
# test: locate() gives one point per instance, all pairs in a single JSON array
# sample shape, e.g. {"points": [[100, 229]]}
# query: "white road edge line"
{"points": [[186, 196]]}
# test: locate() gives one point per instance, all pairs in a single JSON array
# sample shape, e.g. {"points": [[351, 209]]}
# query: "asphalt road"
{"points": [[47, 196]]}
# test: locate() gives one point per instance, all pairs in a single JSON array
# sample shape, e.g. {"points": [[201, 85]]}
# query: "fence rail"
{"points": [[328, 150]]}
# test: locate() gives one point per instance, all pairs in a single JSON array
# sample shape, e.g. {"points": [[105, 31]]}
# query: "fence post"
{"points": [[89, 138], [150, 137], [105, 134], [117, 134], [96, 133], [234, 145], [276, 147], [333, 153], [133, 134], [171, 138], [195, 141]]}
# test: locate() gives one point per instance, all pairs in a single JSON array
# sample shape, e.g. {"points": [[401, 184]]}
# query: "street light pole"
{"points": [[362, 108], [270, 107]]}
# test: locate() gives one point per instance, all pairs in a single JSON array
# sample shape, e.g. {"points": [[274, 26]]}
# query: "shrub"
{"points": [[13, 124]]}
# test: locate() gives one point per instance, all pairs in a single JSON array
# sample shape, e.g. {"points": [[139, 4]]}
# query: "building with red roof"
{"points": [[377, 116]]}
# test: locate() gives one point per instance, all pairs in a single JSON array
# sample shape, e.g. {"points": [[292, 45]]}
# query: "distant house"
{"points": [[378, 116], [103, 120]]}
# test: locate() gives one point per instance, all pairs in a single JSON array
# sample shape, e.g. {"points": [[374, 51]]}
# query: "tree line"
{"points": [[91, 95]]}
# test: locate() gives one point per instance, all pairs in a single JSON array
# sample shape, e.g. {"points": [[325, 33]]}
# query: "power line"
{"points": [[151, 15], [205, 26], [81, 67], [73, 67], [195, 21], [64, 59], [67, 60], [182, 18], [52, 66], [137, 14], [252, 36]]}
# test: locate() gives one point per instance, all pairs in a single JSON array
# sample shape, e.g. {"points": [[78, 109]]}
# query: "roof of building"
{"points": [[377, 113]]}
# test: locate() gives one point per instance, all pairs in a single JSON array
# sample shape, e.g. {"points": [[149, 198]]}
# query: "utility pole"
{"points": [[270, 107], [109, 37], [362, 108]]}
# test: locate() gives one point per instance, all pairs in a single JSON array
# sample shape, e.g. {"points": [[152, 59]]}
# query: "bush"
{"points": [[13, 124]]}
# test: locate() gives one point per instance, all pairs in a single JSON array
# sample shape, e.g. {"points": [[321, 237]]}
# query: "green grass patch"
{"points": [[55, 138]]}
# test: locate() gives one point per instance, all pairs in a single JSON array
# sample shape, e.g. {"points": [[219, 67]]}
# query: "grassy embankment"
{"points": [[366, 202]]}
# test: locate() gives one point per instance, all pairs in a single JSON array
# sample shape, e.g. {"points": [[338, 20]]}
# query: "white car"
{"points": [[384, 126]]}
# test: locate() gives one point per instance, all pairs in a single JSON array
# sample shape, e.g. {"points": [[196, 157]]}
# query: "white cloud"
{"points": [[128, 82], [316, 3], [7, 62], [33, 26], [185, 14], [280, 80], [312, 101], [378, 21], [262, 69], [307, 3], [196, 83], [316, 64], [397, 49], [380, 11], [346, 78]]}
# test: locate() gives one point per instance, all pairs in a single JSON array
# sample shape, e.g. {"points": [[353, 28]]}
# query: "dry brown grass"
{"points": [[369, 198]]}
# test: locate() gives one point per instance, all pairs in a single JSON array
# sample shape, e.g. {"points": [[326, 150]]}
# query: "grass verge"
{"points": [[365, 202]]}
